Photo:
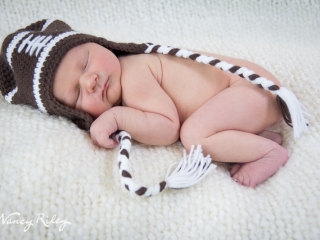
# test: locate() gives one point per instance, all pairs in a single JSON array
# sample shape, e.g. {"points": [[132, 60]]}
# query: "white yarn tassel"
{"points": [[190, 170], [297, 111]]}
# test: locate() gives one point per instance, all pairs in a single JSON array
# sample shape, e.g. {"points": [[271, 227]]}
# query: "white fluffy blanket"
{"points": [[49, 169]]}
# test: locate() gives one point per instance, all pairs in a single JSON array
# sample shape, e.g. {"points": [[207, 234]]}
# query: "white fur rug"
{"points": [[49, 169]]}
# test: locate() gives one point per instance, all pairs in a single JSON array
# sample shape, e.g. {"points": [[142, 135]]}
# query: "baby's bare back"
{"points": [[190, 84]]}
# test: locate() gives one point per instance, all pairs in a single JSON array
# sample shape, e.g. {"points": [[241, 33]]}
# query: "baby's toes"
{"points": [[238, 178], [234, 169], [244, 179]]}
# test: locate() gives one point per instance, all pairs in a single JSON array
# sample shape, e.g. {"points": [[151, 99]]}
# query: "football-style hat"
{"points": [[30, 57]]}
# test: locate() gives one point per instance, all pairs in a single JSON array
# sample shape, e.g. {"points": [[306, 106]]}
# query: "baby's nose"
{"points": [[89, 82]]}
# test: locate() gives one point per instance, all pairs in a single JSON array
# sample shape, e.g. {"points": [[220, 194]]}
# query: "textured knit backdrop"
{"points": [[49, 169]]}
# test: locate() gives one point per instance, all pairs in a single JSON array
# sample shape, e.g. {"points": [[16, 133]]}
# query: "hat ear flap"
{"points": [[83, 123], [7, 82]]}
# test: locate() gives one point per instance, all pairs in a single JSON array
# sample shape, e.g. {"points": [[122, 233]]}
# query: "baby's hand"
{"points": [[102, 128]]}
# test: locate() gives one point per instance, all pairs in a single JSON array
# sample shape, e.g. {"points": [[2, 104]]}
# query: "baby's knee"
{"points": [[190, 135]]}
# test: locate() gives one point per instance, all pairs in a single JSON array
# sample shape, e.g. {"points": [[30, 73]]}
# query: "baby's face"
{"points": [[88, 79]]}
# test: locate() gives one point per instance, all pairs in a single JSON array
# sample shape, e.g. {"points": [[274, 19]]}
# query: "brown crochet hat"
{"points": [[30, 57]]}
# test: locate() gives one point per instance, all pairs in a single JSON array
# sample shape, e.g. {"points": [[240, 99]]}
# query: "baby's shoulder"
{"points": [[140, 65], [140, 76], [133, 61]]}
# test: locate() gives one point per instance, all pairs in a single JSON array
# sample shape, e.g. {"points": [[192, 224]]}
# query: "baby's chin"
{"points": [[95, 114]]}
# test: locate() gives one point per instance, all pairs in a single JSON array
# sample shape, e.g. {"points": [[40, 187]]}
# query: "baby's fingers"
{"points": [[109, 144], [105, 142]]}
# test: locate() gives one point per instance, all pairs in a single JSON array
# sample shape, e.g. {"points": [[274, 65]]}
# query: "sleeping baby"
{"points": [[158, 94]]}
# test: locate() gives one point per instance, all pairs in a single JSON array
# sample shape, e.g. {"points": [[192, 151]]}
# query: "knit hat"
{"points": [[30, 57]]}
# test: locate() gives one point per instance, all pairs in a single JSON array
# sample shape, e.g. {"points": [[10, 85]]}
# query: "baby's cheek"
{"points": [[97, 109]]}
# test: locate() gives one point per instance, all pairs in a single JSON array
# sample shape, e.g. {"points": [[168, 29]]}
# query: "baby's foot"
{"points": [[276, 137], [252, 173], [235, 168]]}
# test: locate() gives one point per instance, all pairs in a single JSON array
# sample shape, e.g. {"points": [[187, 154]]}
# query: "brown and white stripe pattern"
{"points": [[240, 71], [189, 171], [38, 69], [292, 110]]}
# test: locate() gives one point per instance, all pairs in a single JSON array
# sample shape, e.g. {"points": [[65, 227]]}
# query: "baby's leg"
{"points": [[276, 137], [227, 127]]}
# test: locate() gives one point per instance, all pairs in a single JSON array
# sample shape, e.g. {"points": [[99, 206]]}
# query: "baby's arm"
{"points": [[149, 114], [145, 127]]}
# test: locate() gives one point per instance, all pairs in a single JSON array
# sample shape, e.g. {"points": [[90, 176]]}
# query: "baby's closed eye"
{"points": [[78, 94], [86, 61]]}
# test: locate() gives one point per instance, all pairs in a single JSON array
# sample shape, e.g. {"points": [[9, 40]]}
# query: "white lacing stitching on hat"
{"points": [[41, 60], [47, 23], [10, 95], [13, 45], [34, 44]]}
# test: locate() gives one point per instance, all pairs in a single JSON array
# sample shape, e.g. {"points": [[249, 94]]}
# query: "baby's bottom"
{"points": [[227, 126]]}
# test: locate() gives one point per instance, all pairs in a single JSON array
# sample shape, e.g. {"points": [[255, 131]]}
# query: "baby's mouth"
{"points": [[104, 90]]}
